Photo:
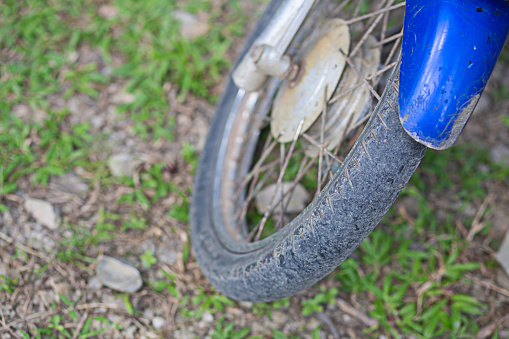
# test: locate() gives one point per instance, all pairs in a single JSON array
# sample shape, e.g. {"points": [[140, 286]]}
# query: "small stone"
{"points": [[410, 204], [294, 202], [43, 212], [107, 11], [500, 154], [118, 276], [502, 279], [167, 256], [3, 269], [183, 334], [130, 331], [123, 98], [500, 223], [121, 164], [69, 183], [279, 318], [246, 304], [503, 254], [207, 317], [94, 283], [191, 26], [40, 240], [158, 322], [24, 112]]}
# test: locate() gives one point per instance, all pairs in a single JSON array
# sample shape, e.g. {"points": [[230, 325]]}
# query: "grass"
{"points": [[411, 276]]}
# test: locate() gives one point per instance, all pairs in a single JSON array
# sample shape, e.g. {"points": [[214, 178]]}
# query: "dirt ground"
{"points": [[58, 293]]}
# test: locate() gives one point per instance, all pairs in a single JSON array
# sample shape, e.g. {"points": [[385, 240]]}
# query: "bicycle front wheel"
{"points": [[251, 236]]}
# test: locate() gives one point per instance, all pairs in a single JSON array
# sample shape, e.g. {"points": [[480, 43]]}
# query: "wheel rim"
{"points": [[245, 153]]}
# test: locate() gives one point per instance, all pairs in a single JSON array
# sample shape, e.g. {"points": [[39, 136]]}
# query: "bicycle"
{"points": [[305, 84]]}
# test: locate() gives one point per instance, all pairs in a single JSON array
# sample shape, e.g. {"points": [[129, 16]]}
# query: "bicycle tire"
{"points": [[323, 235]]}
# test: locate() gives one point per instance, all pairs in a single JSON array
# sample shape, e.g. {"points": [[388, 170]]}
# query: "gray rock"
{"points": [[503, 254], [69, 183], [294, 203], [43, 212], [121, 164], [94, 283], [123, 98], [191, 26], [40, 240], [158, 322], [183, 334], [166, 255], [279, 319], [502, 279], [24, 112], [107, 11], [3, 269], [207, 317], [500, 154], [500, 223], [118, 276]]}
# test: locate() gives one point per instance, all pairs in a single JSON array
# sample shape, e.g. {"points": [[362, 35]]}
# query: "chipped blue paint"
{"points": [[449, 50]]}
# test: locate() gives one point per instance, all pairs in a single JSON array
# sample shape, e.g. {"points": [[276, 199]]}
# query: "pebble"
{"points": [[118, 276], [183, 334], [24, 112], [503, 254], [207, 317], [166, 255], [123, 98], [191, 26], [500, 154], [94, 283], [43, 212], [295, 203], [158, 322], [69, 183], [121, 164], [502, 279], [107, 11], [40, 240], [500, 223], [279, 318]]}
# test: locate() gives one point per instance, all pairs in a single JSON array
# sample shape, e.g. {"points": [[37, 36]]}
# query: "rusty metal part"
{"points": [[354, 96], [321, 66]]}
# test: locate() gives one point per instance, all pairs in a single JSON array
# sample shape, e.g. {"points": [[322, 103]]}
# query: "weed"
{"points": [[207, 301], [163, 285], [315, 304], [226, 331], [8, 285], [148, 259]]}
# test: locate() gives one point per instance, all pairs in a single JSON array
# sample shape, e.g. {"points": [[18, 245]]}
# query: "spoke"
{"points": [[305, 167], [322, 132], [270, 207], [267, 149], [282, 160], [369, 15], [317, 144], [338, 9], [357, 8], [354, 67], [365, 36]]}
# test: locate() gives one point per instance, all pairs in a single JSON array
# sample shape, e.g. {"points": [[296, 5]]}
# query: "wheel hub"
{"points": [[300, 101]]}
